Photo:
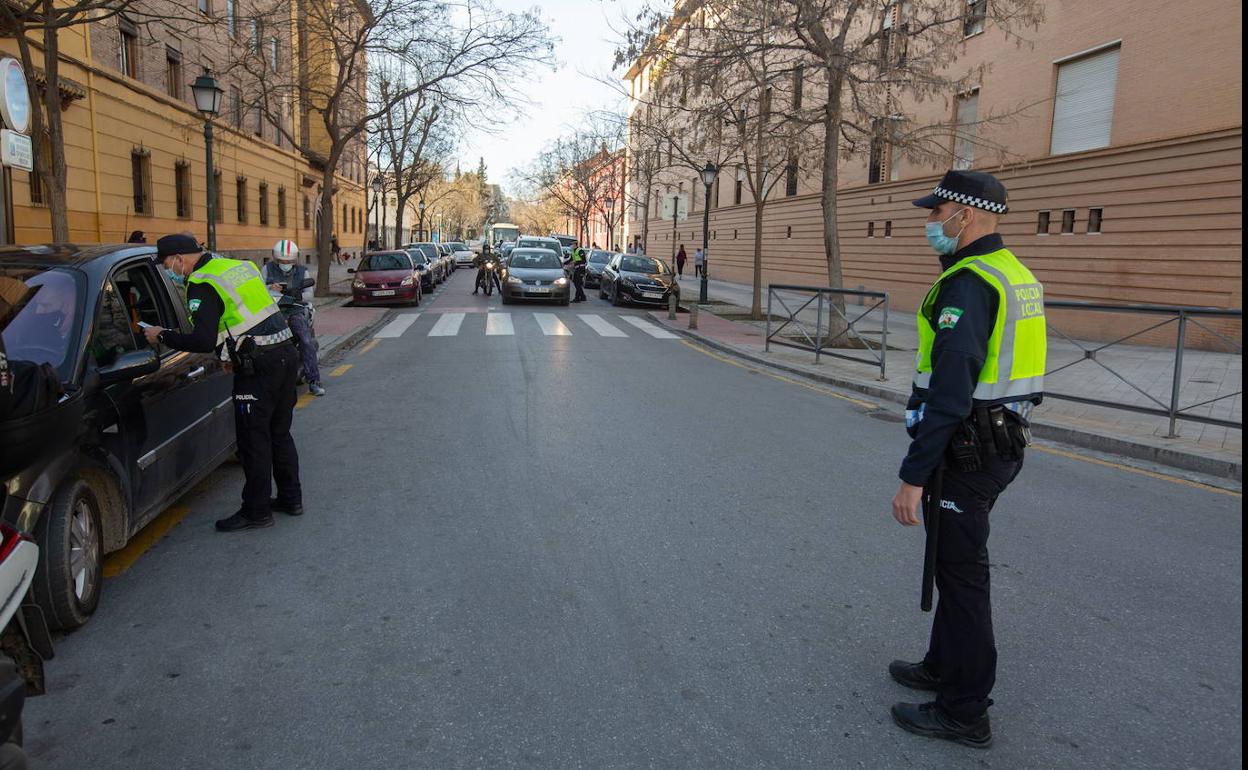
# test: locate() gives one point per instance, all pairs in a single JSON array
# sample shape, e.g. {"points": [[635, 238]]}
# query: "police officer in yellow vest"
{"points": [[979, 372], [231, 309]]}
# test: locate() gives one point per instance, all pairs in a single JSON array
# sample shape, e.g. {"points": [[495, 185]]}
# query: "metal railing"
{"points": [[819, 343], [1180, 315]]}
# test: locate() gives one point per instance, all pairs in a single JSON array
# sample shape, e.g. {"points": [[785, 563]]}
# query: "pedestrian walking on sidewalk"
{"points": [[232, 312], [681, 256], [980, 370], [699, 263]]}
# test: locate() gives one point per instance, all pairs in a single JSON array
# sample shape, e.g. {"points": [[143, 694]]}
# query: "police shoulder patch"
{"points": [[193, 305], [949, 317]]}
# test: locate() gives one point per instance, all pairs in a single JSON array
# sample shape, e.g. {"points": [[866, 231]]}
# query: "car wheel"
{"points": [[615, 297], [71, 558], [602, 293]]}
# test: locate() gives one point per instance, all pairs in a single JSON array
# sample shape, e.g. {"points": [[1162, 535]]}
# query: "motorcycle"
{"points": [[25, 641], [290, 307], [489, 275]]}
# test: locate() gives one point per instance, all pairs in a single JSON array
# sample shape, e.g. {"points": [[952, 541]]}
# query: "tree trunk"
{"points": [[831, 233], [756, 301], [49, 167], [324, 255], [398, 221]]}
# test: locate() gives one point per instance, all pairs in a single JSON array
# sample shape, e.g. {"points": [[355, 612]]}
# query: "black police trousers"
{"points": [[578, 280], [264, 406], [962, 651]]}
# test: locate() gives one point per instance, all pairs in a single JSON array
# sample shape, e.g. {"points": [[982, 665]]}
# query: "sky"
{"points": [[586, 33]]}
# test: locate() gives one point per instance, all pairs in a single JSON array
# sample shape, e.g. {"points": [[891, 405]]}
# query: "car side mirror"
{"points": [[350, 269], [130, 365]]}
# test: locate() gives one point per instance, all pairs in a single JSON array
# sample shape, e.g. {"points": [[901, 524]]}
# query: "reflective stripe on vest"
{"points": [[1015, 360], [242, 291]]}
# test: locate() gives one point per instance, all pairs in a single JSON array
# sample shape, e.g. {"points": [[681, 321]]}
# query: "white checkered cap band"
{"points": [[969, 200]]}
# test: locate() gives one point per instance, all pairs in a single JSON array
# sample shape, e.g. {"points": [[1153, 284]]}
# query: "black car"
{"points": [[637, 278], [426, 266], [123, 430], [595, 262]]}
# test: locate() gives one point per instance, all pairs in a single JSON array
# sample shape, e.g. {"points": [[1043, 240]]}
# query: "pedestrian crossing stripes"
{"points": [[455, 324]]}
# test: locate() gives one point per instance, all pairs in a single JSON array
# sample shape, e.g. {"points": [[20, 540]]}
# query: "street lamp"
{"points": [[709, 172], [208, 101], [377, 211], [610, 222], [420, 207]]}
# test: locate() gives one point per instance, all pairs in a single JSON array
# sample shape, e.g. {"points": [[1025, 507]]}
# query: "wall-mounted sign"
{"points": [[14, 98], [676, 205], [16, 150]]}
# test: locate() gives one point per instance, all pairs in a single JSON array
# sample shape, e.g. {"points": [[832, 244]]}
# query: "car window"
{"points": [[430, 250], [418, 257], [44, 328], [642, 265], [457, 246], [599, 257], [534, 260], [116, 331], [385, 262]]}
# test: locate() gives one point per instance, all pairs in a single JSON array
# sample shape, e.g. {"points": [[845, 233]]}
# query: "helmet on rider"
{"points": [[285, 253]]}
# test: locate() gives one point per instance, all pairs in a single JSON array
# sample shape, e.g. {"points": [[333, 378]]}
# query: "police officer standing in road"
{"points": [[579, 266], [980, 370], [231, 309]]}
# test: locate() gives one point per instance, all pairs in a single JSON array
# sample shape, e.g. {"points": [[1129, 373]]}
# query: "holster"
{"points": [[990, 431], [242, 355]]}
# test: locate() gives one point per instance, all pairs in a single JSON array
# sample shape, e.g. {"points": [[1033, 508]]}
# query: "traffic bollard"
{"points": [[693, 315], [671, 307]]}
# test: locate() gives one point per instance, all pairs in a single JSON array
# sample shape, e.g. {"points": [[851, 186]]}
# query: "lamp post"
{"points": [[610, 222], [420, 207], [208, 101], [709, 172], [377, 211]]}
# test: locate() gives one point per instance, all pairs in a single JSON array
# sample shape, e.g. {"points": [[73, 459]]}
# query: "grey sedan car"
{"points": [[535, 274]]}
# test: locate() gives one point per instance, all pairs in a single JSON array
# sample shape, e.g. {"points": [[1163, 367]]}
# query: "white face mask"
{"points": [[286, 267]]}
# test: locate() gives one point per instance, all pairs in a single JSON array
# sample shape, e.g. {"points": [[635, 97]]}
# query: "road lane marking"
{"points": [[1131, 469], [371, 344], [551, 325], [304, 400], [499, 324], [600, 325], [396, 327], [447, 325], [649, 328], [341, 370], [118, 562]]}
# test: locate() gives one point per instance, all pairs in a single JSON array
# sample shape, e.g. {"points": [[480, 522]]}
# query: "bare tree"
{"points": [[576, 170]]}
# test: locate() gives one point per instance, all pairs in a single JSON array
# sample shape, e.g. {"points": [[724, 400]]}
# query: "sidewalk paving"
{"points": [[1203, 448], [338, 326]]}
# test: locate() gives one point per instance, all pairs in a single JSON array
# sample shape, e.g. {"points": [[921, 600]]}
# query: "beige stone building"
{"points": [[135, 145], [1124, 171]]}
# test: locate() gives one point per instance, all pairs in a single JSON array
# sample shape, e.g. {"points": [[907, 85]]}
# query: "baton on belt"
{"points": [[931, 520]]}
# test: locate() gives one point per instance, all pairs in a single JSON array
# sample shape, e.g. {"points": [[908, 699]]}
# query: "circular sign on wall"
{"points": [[14, 98]]}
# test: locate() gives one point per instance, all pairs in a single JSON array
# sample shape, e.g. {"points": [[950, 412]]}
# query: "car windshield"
{"points": [[385, 262], [566, 240], [430, 250], [642, 265], [456, 246], [39, 313], [418, 257], [534, 260], [599, 257]]}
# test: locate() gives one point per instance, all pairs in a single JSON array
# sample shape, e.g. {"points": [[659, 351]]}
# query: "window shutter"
{"points": [[964, 143], [1083, 112]]}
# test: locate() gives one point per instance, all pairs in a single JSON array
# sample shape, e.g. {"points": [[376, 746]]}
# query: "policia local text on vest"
{"points": [[979, 371], [232, 312]]}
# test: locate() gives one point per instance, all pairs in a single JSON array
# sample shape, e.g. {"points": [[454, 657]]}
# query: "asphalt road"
{"points": [[589, 551]]}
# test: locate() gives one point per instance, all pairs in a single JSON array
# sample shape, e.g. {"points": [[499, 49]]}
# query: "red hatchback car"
{"points": [[386, 277]]}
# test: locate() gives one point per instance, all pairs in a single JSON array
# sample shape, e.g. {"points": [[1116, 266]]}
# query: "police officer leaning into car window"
{"points": [[979, 372], [231, 310]]}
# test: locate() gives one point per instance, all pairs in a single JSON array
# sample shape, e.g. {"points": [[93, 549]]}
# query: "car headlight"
{"points": [[408, 281], [561, 281], [357, 284], [515, 280]]}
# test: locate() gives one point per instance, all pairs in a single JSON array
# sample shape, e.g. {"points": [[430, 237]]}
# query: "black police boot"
{"points": [[913, 675], [239, 521], [290, 509], [931, 720]]}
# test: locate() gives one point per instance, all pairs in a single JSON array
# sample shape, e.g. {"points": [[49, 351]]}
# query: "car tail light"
{"points": [[10, 538]]}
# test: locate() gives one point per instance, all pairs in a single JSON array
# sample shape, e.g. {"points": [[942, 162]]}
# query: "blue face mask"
{"points": [[175, 277], [936, 238]]}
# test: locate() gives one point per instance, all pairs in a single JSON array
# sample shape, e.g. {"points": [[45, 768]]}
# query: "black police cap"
{"points": [[171, 245], [970, 188]]}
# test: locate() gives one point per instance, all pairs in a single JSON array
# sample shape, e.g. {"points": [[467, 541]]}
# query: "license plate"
{"points": [[384, 293], [540, 289], [652, 294]]}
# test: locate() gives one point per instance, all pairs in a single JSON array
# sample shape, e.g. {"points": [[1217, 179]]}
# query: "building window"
{"points": [[1068, 221], [255, 37], [888, 228], [734, 235], [205, 7], [875, 164], [281, 207], [236, 106], [231, 17], [218, 197], [870, 229], [1042, 223], [790, 178], [1094, 220], [788, 231], [264, 203], [307, 213], [346, 222], [1083, 108], [967, 116], [141, 181], [129, 49], [799, 82], [259, 115], [738, 188], [976, 13], [240, 195], [273, 51], [182, 188], [173, 72]]}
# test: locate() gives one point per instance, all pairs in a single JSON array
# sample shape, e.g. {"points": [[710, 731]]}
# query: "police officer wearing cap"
{"points": [[231, 309], [979, 371]]}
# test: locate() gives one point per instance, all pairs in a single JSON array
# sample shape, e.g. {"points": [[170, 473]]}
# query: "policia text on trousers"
{"points": [[231, 310], [978, 374]]}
